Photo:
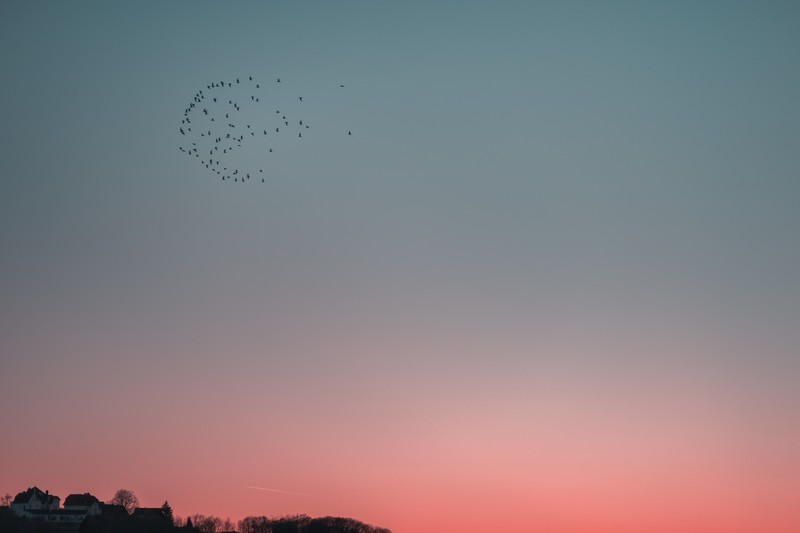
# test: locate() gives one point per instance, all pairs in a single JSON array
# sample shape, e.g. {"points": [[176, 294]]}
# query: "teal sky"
{"points": [[542, 203]]}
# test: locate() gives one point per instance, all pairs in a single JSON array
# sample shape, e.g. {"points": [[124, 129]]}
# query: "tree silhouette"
{"points": [[168, 514], [211, 524], [304, 524], [125, 498]]}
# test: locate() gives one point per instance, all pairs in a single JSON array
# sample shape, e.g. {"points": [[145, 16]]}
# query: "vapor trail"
{"points": [[281, 491]]}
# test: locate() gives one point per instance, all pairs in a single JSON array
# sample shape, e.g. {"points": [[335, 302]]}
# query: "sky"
{"points": [[549, 283]]}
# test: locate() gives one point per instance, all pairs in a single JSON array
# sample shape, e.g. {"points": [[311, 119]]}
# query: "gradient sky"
{"points": [[551, 283]]}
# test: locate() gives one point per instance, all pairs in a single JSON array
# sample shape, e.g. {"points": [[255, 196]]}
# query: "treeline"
{"points": [[125, 523], [305, 524]]}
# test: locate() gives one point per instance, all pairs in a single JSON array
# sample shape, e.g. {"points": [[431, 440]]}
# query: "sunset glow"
{"points": [[533, 267]]}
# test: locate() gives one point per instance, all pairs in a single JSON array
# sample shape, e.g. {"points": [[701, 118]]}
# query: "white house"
{"points": [[85, 502], [34, 499], [33, 503]]}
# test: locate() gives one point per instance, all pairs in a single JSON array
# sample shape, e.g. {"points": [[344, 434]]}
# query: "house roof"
{"points": [[84, 499], [148, 511], [111, 509], [25, 497]]}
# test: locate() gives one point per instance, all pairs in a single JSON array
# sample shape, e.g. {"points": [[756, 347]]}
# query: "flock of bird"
{"points": [[217, 114]]}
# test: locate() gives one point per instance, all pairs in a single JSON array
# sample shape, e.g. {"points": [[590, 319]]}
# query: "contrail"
{"points": [[282, 491]]}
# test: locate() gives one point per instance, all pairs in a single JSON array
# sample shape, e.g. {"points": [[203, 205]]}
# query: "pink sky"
{"points": [[578, 448]]}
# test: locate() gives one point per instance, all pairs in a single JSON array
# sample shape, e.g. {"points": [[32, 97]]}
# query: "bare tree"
{"points": [[125, 498], [207, 524], [5, 501]]}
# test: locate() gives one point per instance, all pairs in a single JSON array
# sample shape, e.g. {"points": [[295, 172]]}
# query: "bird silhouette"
{"points": [[213, 98]]}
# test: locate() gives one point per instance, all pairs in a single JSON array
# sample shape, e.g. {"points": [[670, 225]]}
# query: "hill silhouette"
{"points": [[37, 511]]}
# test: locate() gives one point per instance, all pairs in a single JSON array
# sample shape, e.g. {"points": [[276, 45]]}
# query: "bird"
{"points": [[301, 98], [349, 133], [279, 80]]}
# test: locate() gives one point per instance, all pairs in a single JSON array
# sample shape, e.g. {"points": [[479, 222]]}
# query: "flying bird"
{"points": [[229, 141]]}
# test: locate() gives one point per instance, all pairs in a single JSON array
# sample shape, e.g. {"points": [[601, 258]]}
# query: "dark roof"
{"points": [[25, 497], [84, 499], [111, 509], [148, 511]]}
